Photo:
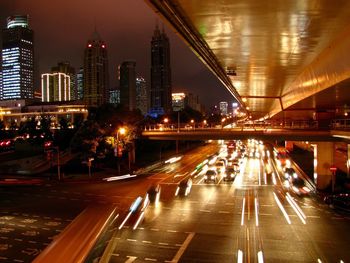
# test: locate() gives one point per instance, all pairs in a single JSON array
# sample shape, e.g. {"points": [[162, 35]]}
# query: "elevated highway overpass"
{"points": [[279, 59], [248, 133]]}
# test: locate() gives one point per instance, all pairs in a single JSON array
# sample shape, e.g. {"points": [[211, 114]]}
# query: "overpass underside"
{"points": [[281, 59], [265, 135]]}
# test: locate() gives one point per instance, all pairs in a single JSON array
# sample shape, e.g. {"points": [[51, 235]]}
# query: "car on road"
{"points": [[289, 173], [339, 201], [230, 173], [154, 193], [220, 166], [298, 186], [211, 175], [184, 187]]}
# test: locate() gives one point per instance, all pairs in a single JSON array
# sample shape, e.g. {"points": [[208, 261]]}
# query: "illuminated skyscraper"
{"points": [[178, 101], [55, 87], [17, 59], [80, 84], [141, 95], [127, 78], [66, 68], [96, 89], [223, 107], [160, 73]]}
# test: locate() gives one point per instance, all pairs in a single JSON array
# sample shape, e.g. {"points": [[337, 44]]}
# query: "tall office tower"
{"points": [[66, 68], [96, 89], [0, 77], [127, 78], [160, 73], [114, 96], [223, 107], [141, 95], [178, 101], [55, 87], [80, 84], [17, 59]]}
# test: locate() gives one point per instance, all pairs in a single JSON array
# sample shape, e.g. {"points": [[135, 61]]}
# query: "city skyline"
{"points": [[127, 30]]}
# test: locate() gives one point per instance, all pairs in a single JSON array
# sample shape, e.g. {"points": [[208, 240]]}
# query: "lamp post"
{"points": [[120, 131], [192, 123], [166, 121]]}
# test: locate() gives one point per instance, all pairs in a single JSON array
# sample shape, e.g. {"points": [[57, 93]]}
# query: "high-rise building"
{"points": [[141, 95], [160, 91], [114, 96], [80, 84], [55, 87], [178, 101], [127, 79], [66, 68], [96, 89], [223, 105], [17, 59]]}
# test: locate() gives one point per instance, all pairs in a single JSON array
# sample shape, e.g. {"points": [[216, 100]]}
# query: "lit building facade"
{"points": [[178, 101], [114, 96], [55, 87], [141, 95], [161, 89], [127, 75], [80, 84], [223, 105], [96, 89], [66, 68], [17, 59]]}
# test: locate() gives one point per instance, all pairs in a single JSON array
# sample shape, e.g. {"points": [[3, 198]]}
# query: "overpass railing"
{"points": [[290, 124], [341, 124]]}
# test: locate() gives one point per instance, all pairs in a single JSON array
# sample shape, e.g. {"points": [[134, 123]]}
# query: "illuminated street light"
{"points": [[120, 131]]}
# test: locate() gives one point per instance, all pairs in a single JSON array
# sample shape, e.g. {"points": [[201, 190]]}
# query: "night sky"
{"points": [[63, 27]]}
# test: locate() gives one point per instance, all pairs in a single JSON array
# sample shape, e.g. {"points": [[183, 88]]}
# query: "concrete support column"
{"points": [[348, 162], [324, 152]]}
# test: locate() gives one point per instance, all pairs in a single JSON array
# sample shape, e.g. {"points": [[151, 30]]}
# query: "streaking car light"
{"points": [[306, 189], [260, 257], [173, 160], [240, 256], [117, 178], [282, 208], [135, 205], [177, 191]]}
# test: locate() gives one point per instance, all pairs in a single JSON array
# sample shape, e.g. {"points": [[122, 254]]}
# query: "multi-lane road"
{"points": [[255, 218]]}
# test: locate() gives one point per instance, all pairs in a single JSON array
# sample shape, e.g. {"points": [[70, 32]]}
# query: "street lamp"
{"points": [[120, 131], [166, 121]]}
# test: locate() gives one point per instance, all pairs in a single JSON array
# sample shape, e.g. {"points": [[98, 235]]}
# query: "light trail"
{"points": [[139, 220], [256, 212], [282, 208], [243, 208], [295, 207], [260, 257], [125, 220], [240, 256]]}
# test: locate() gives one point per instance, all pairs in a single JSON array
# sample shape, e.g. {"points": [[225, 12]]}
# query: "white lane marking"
{"points": [[154, 229], [163, 244], [130, 259], [171, 231], [146, 242], [206, 211], [150, 259], [131, 240], [224, 212], [183, 247]]}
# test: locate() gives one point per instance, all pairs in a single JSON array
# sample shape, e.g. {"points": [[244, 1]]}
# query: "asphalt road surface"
{"points": [[255, 218]]}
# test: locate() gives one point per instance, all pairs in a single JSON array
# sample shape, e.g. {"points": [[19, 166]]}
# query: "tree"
{"points": [[87, 138]]}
